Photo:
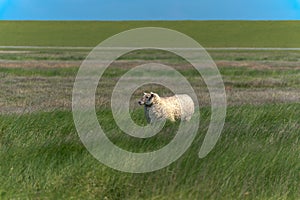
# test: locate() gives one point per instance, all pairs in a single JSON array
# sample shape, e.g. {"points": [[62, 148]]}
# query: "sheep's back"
{"points": [[182, 104]]}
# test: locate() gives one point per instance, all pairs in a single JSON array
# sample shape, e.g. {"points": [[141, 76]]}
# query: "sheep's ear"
{"points": [[145, 93]]}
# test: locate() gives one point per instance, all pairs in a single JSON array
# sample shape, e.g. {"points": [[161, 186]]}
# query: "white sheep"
{"points": [[175, 107]]}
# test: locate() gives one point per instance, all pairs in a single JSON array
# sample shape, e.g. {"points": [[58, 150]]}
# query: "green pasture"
{"points": [[256, 157], [207, 33]]}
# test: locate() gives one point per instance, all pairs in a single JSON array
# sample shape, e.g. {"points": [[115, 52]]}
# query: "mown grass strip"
{"points": [[47, 72]]}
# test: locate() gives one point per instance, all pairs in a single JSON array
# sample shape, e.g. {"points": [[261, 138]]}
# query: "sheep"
{"points": [[174, 107]]}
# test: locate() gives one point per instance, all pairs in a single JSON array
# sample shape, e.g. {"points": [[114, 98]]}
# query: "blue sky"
{"points": [[149, 9]]}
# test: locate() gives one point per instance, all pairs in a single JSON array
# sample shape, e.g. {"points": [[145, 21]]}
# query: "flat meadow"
{"points": [[256, 157]]}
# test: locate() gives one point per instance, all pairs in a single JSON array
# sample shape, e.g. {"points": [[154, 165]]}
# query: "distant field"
{"points": [[207, 33], [44, 79]]}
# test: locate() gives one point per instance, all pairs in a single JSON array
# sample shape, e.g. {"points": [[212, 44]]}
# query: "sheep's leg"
{"points": [[147, 115], [188, 118], [172, 119], [148, 120]]}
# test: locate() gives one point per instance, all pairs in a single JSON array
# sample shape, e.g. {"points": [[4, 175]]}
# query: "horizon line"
{"points": [[141, 20]]}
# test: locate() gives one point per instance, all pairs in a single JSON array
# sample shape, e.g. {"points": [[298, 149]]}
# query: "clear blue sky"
{"points": [[149, 9]]}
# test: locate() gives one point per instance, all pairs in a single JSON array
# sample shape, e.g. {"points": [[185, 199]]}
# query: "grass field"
{"points": [[256, 157], [207, 33]]}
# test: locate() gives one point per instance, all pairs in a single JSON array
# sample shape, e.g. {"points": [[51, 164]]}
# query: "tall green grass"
{"points": [[257, 157]]}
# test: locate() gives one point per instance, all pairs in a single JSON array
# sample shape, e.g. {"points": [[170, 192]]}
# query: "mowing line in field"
{"points": [[125, 48], [45, 47]]}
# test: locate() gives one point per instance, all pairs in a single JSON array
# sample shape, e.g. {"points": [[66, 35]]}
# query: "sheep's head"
{"points": [[148, 99]]}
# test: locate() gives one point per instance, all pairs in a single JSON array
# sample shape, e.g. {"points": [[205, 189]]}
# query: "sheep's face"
{"points": [[147, 99]]}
